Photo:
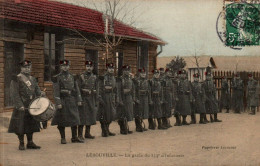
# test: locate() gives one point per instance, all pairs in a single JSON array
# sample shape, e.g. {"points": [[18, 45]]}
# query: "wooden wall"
{"points": [[33, 50]]}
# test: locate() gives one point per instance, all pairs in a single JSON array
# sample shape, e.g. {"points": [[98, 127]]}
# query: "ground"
{"points": [[235, 141]]}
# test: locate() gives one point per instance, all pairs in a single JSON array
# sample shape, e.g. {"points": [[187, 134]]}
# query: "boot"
{"points": [[141, 125], [211, 118], [21, 142], [151, 124], [30, 143], [184, 122], [74, 138], [104, 130], [122, 127], [227, 110], [62, 134], [45, 124], [169, 123], [164, 122], [216, 118], [178, 121], [252, 111], [127, 128], [202, 119], [80, 132], [87, 133], [138, 125], [205, 118], [193, 119], [109, 133], [160, 126]]}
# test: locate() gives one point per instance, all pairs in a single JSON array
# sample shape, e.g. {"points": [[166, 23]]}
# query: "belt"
{"points": [[127, 90], [86, 91], [65, 91]]}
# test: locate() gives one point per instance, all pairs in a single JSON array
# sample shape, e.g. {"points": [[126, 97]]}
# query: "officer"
{"points": [[199, 97], [126, 100], [108, 100], [252, 94], [155, 111], [237, 94], [24, 89], [211, 103], [183, 99], [168, 92], [142, 100], [88, 84], [67, 98], [225, 95]]}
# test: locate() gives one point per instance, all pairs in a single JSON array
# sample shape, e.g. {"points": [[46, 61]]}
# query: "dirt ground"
{"points": [[234, 142]]}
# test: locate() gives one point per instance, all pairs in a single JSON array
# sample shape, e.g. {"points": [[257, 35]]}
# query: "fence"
{"points": [[217, 75]]}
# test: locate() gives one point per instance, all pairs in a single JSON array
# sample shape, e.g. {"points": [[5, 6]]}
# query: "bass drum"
{"points": [[42, 109]]}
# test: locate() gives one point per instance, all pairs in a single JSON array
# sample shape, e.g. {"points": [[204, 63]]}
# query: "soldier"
{"points": [[199, 96], [168, 92], [183, 99], [126, 100], [225, 95], [252, 94], [67, 98], [108, 100], [155, 111], [88, 84], [237, 94], [211, 103], [143, 99], [24, 89]]}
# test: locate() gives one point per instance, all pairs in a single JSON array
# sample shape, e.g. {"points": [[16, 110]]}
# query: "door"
{"points": [[92, 55], [14, 53]]}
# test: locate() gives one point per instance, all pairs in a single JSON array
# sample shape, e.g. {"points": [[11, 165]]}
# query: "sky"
{"points": [[188, 26]]}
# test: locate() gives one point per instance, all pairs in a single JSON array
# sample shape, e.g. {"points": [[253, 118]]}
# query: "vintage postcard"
{"points": [[129, 82]]}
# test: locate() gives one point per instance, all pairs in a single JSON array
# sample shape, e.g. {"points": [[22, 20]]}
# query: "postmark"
{"points": [[238, 25]]}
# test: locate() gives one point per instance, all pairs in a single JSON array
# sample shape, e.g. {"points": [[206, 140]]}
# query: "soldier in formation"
{"points": [[24, 89], [108, 93], [199, 97], [88, 85], [168, 93], [252, 94], [237, 86], [183, 99], [155, 111], [67, 98], [225, 95], [142, 100], [126, 95], [211, 103]]}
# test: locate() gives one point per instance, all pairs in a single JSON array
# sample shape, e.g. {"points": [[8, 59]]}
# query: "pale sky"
{"points": [[188, 26]]}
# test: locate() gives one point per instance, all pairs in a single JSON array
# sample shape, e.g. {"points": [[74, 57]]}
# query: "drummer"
{"points": [[24, 89], [67, 98]]}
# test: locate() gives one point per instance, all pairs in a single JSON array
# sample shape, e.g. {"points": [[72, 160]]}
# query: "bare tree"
{"points": [[114, 12]]}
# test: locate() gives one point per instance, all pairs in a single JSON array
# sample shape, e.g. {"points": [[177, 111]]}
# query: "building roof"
{"points": [[204, 61], [58, 14], [219, 63]]}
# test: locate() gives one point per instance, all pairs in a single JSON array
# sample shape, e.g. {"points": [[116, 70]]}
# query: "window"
{"points": [[143, 55], [49, 56]]}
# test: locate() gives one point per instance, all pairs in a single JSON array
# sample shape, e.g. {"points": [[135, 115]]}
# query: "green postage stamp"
{"points": [[242, 24]]}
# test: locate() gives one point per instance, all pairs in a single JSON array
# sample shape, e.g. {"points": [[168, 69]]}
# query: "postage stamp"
{"points": [[242, 24]]}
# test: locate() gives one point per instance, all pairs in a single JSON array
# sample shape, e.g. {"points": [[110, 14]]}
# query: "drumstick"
{"points": [[31, 108], [41, 95]]}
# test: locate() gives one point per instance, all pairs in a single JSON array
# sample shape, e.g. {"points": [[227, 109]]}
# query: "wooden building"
{"points": [[44, 32]]}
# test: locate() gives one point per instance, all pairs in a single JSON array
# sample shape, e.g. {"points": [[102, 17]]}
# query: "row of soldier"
{"points": [[85, 98], [235, 100]]}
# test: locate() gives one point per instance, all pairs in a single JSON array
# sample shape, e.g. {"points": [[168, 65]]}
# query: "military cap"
{"points": [[141, 70], [25, 63], [182, 71], [64, 62], [196, 75], [89, 63], [155, 71], [250, 75], [110, 65], [126, 67]]}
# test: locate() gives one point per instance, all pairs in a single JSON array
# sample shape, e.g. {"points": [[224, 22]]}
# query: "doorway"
{"points": [[13, 53]]}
